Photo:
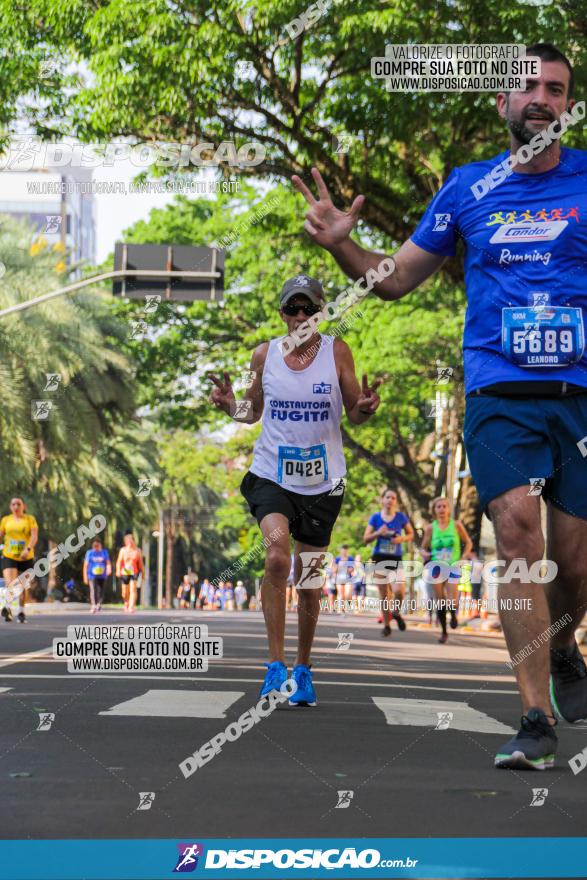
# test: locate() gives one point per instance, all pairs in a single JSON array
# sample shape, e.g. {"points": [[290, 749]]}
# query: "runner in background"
{"points": [[211, 596], [389, 528], [194, 584], [129, 566], [240, 596], [228, 597], [359, 582], [476, 585], [291, 597], [96, 569], [342, 571], [184, 592], [446, 540], [329, 588], [202, 596], [20, 533]]}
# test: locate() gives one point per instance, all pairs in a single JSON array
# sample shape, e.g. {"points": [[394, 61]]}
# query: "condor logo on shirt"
{"points": [[512, 232]]}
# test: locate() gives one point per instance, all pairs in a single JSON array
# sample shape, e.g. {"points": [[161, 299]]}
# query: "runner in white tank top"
{"points": [[296, 482]]}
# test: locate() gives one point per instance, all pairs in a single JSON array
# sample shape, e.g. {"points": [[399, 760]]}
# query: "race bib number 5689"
{"points": [[543, 336]]}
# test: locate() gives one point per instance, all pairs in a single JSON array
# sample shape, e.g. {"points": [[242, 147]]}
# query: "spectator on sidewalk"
{"points": [[240, 596]]}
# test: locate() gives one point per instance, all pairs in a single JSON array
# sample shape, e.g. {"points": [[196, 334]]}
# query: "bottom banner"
{"points": [[379, 857]]}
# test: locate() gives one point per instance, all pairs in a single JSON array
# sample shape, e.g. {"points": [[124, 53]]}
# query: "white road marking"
{"points": [[32, 657], [3, 690], [178, 704], [257, 681], [423, 713]]}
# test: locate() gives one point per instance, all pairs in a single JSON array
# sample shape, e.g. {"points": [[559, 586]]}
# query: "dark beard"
{"points": [[520, 132]]}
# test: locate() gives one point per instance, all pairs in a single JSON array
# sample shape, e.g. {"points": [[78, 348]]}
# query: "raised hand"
{"points": [[368, 400], [222, 395], [325, 224]]}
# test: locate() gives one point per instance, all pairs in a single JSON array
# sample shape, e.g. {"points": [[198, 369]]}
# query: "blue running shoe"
{"points": [[275, 676], [305, 694]]}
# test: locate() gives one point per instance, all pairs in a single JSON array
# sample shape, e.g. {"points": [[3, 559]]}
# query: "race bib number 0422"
{"points": [[297, 466], [543, 336]]}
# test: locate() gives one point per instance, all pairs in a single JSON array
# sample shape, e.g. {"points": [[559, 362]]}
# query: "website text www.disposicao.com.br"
{"points": [[329, 859]]}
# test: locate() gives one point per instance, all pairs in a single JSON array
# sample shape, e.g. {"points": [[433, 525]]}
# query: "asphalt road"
{"points": [[373, 733]]}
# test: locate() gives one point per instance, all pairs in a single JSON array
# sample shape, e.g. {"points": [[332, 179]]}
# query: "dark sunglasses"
{"points": [[291, 309]]}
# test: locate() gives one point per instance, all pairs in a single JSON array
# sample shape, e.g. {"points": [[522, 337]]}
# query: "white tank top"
{"points": [[300, 446]]}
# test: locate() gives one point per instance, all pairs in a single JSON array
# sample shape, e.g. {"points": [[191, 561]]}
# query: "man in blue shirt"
{"points": [[97, 568], [523, 225]]}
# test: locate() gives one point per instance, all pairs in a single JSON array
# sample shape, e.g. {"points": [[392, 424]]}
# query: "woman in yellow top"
{"points": [[19, 532]]}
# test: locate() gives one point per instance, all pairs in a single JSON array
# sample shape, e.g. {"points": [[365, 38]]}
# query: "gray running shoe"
{"points": [[533, 747], [568, 684]]}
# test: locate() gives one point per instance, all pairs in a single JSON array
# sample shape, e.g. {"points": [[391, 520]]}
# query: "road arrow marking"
{"points": [[177, 704], [424, 713]]}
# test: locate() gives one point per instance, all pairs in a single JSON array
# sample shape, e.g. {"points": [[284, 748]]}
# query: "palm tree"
{"points": [[70, 439]]}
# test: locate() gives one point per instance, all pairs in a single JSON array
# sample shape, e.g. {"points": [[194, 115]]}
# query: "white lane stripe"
{"points": [[177, 704], [3, 690], [368, 670], [423, 713], [31, 657], [41, 657], [257, 681]]}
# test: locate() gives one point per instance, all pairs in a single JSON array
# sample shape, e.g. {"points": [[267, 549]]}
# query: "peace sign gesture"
{"points": [[368, 400], [325, 224], [222, 395]]}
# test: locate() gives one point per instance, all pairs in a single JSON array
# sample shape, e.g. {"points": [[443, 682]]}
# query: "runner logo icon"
{"points": [[441, 222], [313, 569], [187, 860], [338, 487], [539, 796], [322, 388]]}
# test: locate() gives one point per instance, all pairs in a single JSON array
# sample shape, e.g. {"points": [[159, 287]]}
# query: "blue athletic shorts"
{"points": [[515, 441]]}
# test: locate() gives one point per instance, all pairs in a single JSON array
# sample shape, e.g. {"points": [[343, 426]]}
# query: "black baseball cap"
{"points": [[309, 287]]}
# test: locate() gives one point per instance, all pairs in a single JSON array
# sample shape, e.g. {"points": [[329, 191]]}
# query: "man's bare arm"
{"points": [[222, 396], [255, 392], [413, 266]]}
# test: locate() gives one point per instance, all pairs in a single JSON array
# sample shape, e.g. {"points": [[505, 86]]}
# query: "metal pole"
{"points": [[160, 552], [147, 593], [95, 279]]}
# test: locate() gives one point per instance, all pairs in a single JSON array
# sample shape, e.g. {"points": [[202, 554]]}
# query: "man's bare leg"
{"points": [[277, 566], [566, 546], [516, 519], [10, 575], [308, 604]]}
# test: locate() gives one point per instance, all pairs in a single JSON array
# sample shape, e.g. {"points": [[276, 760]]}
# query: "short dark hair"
{"points": [[548, 52]]}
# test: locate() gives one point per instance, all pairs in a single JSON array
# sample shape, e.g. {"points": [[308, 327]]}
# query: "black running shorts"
{"points": [[311, 518], [20, 565]]}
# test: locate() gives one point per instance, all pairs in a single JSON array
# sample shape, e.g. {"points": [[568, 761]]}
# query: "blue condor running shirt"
{"points": [[525, 268]]}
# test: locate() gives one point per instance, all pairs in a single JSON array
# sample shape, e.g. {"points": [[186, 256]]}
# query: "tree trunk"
{"points": [[170, 537], [470, 512], [52, 576]]}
